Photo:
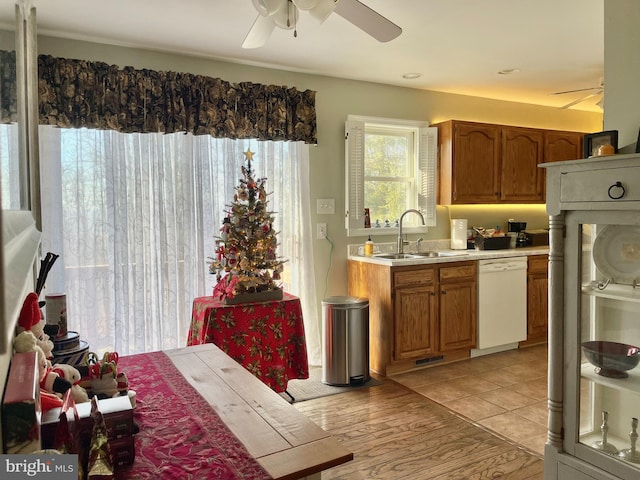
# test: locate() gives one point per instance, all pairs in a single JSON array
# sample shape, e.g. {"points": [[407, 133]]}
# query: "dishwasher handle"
{"points": [[489, 266]]}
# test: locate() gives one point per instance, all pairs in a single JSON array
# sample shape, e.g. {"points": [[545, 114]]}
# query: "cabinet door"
{"points": [[560, 146], [537, 298], [414, 322], [476, 163], [522, 151], [458, 316], [458, 305]]}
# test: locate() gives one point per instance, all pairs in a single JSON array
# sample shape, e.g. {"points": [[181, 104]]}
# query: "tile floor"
{"points": [[504, 392]]}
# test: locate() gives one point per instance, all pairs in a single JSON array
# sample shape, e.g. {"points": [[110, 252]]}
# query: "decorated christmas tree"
{"points": [[246, 264]]}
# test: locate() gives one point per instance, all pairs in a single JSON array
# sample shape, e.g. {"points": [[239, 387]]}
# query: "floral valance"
{"points": [[80, 93], [8, 92]]}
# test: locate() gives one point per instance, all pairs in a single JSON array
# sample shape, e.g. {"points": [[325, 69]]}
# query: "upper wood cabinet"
{"points": [[559, 146], [485, 163], [521, 181], [469, 162]]}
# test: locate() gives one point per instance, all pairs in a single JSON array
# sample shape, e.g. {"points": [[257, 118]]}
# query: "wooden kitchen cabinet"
{"points": [[521, 181], [458, 305], [469, 162], [486, 163], [537, 299], [560, 146], [414, 324], [417, 314]]}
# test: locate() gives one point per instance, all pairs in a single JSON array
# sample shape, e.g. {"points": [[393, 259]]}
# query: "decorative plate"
{"points": [[616, 253]]}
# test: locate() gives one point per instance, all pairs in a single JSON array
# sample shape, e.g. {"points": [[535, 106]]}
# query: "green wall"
{"points": [[337, 98], [622, 71]]}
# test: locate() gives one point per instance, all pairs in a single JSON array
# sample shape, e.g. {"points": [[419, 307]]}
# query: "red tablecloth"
{"points": [[267, 338], [172, 444]]}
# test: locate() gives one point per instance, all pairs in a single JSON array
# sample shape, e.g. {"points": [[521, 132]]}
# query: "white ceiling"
{"points": [[458, 45]]}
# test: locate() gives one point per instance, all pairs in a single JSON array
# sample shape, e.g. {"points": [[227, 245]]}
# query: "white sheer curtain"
{"points": [[134, 217], [9, 166]]}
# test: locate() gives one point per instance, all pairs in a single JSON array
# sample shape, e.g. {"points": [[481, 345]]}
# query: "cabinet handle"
{"points": [[444, 292], [616, 185]]}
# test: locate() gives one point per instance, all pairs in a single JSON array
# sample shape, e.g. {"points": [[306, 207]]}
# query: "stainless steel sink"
{"points": [[445, 253], [426, 254], [394, 256], [430, 254]]}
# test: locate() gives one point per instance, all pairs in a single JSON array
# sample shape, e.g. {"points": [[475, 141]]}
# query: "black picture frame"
{"points": [[594, 140]]}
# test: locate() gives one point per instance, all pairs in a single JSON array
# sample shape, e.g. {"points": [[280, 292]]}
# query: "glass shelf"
{"points": [[620, 443], [614, 291], [629, 384]]}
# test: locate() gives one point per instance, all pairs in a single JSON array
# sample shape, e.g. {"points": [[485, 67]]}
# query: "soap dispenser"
{"points": [[368, 247]]}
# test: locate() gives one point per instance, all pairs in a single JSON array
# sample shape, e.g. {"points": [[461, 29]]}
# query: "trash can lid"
{"points": [[347, 302]]}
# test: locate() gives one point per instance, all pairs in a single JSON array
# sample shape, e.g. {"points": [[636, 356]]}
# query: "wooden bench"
{"points": [[286, 443]]}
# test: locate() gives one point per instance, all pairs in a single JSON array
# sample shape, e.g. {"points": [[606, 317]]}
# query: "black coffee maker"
{"points": [[518, 228]]}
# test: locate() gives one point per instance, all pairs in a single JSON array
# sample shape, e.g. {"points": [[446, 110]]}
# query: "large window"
{"points": [[9, 166], [135, 216], [391, 167]]}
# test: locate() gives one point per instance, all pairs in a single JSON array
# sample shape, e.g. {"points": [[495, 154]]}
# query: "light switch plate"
{"points": [[326, 206]]}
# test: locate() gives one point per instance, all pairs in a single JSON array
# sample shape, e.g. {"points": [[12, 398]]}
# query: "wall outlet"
{"points": [[322, 231], [325, 206]]}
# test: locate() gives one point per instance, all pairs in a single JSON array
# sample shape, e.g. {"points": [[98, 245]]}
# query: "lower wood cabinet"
{"points": [[458, 305], [417, 313], [414, 312], [537, 299]]}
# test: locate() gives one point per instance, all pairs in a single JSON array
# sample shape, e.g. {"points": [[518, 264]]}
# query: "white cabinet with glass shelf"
{"points": [[594, 295]]}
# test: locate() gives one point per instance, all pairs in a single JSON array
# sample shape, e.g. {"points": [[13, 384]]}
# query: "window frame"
{"points": [[424, 171]]}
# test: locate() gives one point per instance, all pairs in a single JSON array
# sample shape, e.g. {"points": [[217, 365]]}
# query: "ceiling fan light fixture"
{"points": [[323, 9], [305, 4], [508, 71], [267, 8], [286, 17]]}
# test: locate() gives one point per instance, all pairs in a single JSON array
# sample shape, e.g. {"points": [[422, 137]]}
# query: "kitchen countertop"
{"points": [[453, 256]]}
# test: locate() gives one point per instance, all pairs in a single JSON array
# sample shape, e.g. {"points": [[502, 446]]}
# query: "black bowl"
{"points": [[611, 359]]}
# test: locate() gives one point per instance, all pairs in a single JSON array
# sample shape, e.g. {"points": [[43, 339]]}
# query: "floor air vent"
{"points": [[424, 361]]}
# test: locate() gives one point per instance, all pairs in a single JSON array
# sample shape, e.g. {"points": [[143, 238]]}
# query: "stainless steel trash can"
{"points": [[345, 340]]}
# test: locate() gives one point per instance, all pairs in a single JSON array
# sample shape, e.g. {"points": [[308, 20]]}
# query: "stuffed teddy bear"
{"points": [[71, 374], [31, 320], [52, 385]]}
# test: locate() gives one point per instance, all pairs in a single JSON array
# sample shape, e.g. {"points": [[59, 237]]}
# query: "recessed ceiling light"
{"points": [[508, 71], [411, 76]]}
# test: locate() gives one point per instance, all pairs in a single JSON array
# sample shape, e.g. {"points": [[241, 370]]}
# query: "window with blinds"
{"points": [[390, 167]]}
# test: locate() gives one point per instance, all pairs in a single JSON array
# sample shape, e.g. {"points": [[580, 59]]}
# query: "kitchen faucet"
{"points": [[401, 242]]}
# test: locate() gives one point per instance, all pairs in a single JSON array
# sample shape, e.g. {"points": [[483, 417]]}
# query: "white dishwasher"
{"points": [[502, 304]]}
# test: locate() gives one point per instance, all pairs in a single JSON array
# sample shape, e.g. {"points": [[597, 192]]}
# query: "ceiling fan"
{"points": [[593, 92], [284, 14]]}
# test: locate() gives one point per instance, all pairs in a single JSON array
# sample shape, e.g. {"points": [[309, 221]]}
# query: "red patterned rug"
{"points": [[175, 445]]}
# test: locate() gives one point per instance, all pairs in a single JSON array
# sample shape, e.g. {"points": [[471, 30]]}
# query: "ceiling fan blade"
{"points": [[578, 90], [305, 4], [267, 8], [582, 99], [259, 33], [368, 20], [322, 9]]}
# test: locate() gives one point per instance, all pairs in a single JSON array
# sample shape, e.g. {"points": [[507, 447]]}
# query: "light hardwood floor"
{"points": [[476, 419]]}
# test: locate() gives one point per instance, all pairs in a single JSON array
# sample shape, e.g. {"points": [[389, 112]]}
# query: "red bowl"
{"points": [[611, 359]]}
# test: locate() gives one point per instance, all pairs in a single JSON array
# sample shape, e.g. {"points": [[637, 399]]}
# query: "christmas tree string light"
{"points": [[246, 260]]}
